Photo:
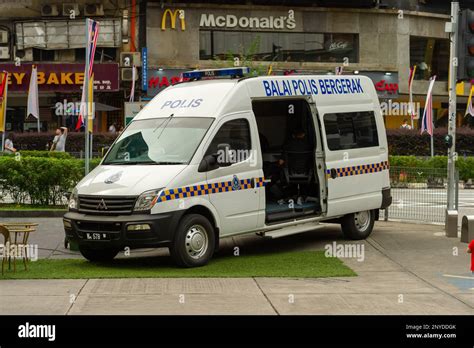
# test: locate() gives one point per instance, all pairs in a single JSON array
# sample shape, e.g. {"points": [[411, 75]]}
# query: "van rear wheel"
{"points": [[98, 255], [359, 225], [194, 241]]}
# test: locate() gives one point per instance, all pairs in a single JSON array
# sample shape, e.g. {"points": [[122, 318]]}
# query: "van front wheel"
{"points": [[358, 225], [194, 241]]}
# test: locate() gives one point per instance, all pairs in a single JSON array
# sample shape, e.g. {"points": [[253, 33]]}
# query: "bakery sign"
{"points": [[62, 77]]}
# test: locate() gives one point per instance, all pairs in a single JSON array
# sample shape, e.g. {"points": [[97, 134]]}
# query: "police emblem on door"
{"points": [[235, 183]]}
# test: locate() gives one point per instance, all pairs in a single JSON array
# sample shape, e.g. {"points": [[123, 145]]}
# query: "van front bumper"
{"points": [[115, 233]]}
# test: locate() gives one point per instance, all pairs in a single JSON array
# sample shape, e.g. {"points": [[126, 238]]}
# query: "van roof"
{"points": [[213, 98]]}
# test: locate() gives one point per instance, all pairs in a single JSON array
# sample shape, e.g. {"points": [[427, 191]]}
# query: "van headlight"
{"points": [[73, 200], [147, 200]]}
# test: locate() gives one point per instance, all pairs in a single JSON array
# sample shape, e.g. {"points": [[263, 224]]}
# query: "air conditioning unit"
{"points": [[25, 55], [91, 10], [3, 37], [129, 59], [69, 8], [49, 10], [4, 52], [127, 74]]}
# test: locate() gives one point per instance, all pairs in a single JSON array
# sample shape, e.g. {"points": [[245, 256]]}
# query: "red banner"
{"points": [[62, 77]]}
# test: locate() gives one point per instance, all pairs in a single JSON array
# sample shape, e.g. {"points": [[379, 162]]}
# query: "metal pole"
{"points": [[432, 147], [456, 201], [3, 141], [432, 139], [452, 104], [86, 106]]}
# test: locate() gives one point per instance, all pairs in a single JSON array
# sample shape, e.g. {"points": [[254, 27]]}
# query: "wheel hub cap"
{"points": [[196, 241], [362, 220]]}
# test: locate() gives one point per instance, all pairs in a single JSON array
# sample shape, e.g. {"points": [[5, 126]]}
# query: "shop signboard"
{"points": [[386, 84], [62, 77], [159, 79]]}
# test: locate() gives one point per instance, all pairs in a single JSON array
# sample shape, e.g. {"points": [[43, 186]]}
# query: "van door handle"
{"points": [[333, 173], [252, 183]]}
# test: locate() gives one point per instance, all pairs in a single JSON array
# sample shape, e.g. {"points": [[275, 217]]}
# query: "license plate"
{"points": [[97, 236]]}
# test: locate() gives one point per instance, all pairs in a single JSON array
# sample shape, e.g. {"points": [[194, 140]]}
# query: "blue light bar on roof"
{"points": [[198, 74]]}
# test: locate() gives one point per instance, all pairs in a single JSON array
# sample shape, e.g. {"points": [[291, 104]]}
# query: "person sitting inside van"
{"points": [[298, 142], [274, 170]]}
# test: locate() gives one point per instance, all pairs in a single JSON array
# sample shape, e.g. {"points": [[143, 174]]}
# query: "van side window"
{"points": [[351, 130], [236, 133]]}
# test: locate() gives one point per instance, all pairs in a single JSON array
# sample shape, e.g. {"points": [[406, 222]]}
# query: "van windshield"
{"points": [[166, 140]]}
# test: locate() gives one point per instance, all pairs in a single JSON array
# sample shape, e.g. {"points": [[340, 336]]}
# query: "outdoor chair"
{"points": [[21, 232], [6, 238]]}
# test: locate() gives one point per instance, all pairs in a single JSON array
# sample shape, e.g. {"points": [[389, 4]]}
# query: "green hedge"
{"points": [[465, 165], [46, 180], [40, 180]]}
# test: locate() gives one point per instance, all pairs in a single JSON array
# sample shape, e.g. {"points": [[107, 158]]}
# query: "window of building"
{"points": [[102, 55], [351, 130], [236, 133], [65, 34], [279, 46], [431, 57], [43, 55]]}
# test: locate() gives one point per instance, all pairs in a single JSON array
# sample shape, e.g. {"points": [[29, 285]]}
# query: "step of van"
{"points": [[288, 231]]}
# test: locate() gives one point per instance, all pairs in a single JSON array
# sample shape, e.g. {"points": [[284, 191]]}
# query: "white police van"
{"points": [[213, 158]]}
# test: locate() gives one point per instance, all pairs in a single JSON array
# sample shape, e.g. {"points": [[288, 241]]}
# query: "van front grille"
{"points": [[106, 205]]}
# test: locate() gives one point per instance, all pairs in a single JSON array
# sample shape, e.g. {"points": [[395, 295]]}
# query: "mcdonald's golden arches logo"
{"points": [[178, 13]]}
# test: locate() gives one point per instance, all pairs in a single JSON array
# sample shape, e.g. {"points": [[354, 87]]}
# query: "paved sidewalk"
{"points": [[408, 269]]}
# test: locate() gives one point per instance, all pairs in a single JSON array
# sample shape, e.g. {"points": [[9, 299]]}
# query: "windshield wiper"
{"points": [[145, 162], [170, 163], [129, 162]]}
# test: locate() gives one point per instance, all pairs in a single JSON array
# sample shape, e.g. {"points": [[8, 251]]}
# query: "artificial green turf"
{"points": [[302, 264]]}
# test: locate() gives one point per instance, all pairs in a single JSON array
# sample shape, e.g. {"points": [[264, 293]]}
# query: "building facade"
{"points": [[378, 38], [51, 36]]}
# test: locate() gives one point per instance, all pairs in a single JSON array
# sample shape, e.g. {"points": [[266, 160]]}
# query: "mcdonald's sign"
{"points": [[173, 16]]}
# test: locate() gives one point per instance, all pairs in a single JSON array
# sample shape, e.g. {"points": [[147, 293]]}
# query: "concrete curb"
{"points": [[32, 213]]}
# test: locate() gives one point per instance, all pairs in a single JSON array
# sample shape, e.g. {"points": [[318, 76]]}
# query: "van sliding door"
{"points": [[355, 158]]}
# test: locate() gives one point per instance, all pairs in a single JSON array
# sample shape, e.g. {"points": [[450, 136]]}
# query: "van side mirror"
{"points": [[207, 164], [222, 158], [224, 155]]}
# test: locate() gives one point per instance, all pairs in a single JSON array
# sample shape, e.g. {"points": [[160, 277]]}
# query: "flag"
{"points": [[411, 106], [270, 70], [132, 91], [3, 100], [427, 120], [87, 98], [470, 108], [339, 70], [33, 105]]}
